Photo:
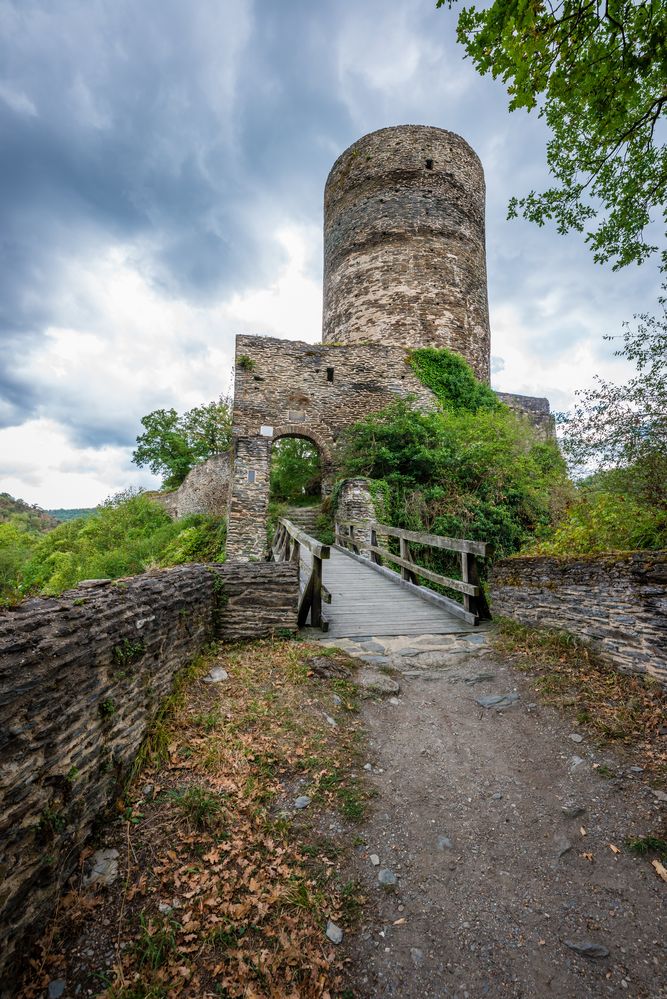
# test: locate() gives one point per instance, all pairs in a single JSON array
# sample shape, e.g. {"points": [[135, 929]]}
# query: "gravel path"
{"points": [[494, 881]]}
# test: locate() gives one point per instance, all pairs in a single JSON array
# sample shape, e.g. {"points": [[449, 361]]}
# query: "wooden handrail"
{"points": [[474, 600], [433, 577], [434, 540], [286, 547]]}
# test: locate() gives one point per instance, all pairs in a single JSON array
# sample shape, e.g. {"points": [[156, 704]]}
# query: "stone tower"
{"points": [[404, 267], [404, 253]]}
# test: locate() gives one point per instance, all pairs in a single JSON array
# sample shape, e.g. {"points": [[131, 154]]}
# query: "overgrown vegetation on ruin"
{"points": [[473, 469], [225, 888], [127, 534], [476, 470]]}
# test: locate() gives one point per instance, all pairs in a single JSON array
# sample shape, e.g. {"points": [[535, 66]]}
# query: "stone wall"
{"points": [[617, 602], [534, 409], [355, 502], [205, 489], [81, 676], [289, 388], [404, 244]]}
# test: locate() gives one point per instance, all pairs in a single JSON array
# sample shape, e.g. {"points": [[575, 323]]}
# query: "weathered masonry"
{"points": [[617, 602], [404, 251], [81, 676], [404, 267]]}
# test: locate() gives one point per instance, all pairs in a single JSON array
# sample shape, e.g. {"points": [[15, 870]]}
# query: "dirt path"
{"points": [[493, 878]]}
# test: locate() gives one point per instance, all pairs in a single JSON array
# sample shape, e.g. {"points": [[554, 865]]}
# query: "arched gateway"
{"points": [[405, 267]]}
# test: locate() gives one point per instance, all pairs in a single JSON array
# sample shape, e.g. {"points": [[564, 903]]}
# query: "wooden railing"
{"points": [[286, 546], [474, 601]]}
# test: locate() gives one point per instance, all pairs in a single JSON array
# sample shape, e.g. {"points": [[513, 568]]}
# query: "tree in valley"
{"points": [[171, 444]]}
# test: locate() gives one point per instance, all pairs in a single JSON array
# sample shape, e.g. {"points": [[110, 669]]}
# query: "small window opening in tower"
{"points": [[251, 475], [330, 374], [429, 164]]}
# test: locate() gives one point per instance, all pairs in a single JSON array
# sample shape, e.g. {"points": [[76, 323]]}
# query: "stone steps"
{"points": [[305, 517]]}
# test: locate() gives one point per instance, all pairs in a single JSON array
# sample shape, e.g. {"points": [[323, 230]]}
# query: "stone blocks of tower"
{"points": [[404, 247]]}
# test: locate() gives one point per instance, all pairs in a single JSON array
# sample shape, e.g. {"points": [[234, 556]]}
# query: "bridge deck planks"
{"points": [[367, 603]]}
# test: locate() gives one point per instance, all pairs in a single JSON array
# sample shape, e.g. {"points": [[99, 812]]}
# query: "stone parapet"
{"points": [[81, 677], [534, 409], [205, 490], [617, 602]]}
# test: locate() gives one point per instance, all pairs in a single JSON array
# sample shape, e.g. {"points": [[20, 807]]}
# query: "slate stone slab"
{"points": [[497, 700]]}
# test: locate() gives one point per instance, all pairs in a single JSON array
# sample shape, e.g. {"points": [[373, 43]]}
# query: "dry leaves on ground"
{"points": [[225, 889]]}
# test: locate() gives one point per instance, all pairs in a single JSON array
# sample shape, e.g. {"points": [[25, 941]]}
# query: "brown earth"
{"points": [[493, 879]]}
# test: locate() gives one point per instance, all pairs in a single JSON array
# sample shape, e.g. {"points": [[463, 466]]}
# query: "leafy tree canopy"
{"points": [[295, 470], [596, 70], [622, 429], [171, 444]]}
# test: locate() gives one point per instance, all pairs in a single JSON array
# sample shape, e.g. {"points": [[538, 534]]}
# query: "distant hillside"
{"points": [[33, 518], [82, 511]]}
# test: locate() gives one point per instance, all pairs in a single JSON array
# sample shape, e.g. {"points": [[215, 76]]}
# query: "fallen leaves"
{"points": [[660, 869], [237, 906], [614, 706]]}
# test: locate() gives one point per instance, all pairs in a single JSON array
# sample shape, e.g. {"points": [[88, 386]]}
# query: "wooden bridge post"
{"points": [[470, 574], [316, 596], [407, 556]]}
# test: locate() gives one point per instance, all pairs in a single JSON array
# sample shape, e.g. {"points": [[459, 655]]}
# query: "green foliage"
{"points": [[246, 363], [24, 516], [107, 709], [16, 547], [126, 535], [203, 808], [452, 380], [641, 845], [127, 652], [480, 475], [603, 522], [171, 444], [597, 73], [623, 428], [71, 513], [295, 470], [156, 940]]}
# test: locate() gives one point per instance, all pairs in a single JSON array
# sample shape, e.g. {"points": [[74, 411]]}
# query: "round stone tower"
{"points": [[404, 255]]}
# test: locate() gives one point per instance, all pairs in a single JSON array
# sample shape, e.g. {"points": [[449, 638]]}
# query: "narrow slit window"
{"points": [[251, 475], [329, 374], [429, 164]]}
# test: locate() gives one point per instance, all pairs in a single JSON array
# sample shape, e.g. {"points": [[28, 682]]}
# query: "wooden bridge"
{"points": [[350, 594]]}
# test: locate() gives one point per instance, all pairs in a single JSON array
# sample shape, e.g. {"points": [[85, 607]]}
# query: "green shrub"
{"points": [[603, 522], [123, 537], [452, 380], [481, 475]]}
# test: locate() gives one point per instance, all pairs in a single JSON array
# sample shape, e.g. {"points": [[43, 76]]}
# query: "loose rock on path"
{"points": [[499, 838]]}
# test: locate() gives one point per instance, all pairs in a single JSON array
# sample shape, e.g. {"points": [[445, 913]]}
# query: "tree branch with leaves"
{"points": [[171, 444], [597, 72]]}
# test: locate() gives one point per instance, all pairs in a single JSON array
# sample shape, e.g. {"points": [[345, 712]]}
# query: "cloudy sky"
{"points": [[162, 164]]}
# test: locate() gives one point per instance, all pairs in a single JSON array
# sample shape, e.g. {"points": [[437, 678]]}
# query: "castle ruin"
{"points": [[404, 267]]}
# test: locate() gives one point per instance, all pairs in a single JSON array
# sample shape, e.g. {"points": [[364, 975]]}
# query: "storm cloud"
{"points": [[161, 182]]}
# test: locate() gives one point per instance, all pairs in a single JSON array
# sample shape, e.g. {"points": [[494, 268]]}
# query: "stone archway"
{"points": [[320, 438], [249, 494]]}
